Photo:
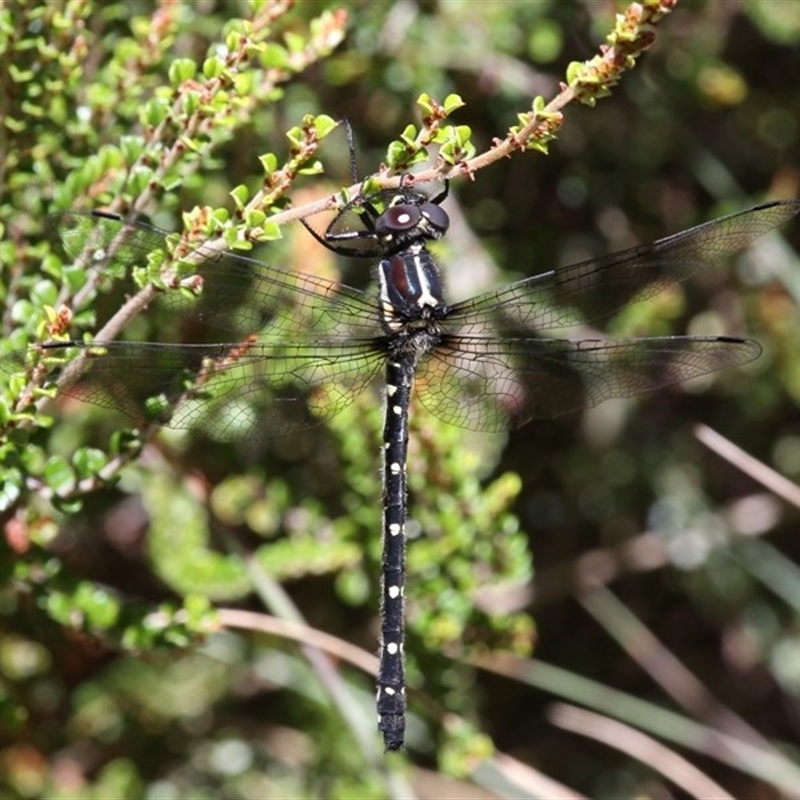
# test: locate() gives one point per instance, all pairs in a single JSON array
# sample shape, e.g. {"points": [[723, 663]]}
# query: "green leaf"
{"points": [[425, 102], [88, 461], [254, 218], [11, 481], [240, 195], [58, 473], [274, 56], [213, 67], [324, 125], [182, 69], [235, 240], [100, 608], [452, 102], [574, 71], [269, 163], [462, 134], [294, 42], [131, 148], [267, 231]]}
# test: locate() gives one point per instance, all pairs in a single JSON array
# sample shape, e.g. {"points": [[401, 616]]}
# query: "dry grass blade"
{"points": [[751, 466], [640, 746]]}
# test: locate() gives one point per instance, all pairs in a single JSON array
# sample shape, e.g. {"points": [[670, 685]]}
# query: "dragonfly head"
{"points": [[405, 222]]}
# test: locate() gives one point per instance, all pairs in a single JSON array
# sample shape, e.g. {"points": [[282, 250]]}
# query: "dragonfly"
{"points": [[284, 350]]}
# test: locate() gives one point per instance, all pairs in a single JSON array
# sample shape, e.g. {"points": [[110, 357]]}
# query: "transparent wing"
{"points": [[294, 348], [304, 346], [593, 290], [253, 390], [219, 288], [492, 385]]}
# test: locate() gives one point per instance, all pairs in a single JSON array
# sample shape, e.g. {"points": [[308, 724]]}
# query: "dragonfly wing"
{"points": [[217, 288], [491, 385], [594, 290], [229, 391]]}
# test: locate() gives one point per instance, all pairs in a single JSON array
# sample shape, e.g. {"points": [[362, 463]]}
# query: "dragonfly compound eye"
{"points": [[397, 219], [436, 216]]}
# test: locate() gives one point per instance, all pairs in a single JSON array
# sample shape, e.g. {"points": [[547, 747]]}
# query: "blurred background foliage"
{"points": [[666, 594]]}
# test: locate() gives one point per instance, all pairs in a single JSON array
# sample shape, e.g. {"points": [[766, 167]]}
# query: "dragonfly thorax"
{"points": [[410, 289]]}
